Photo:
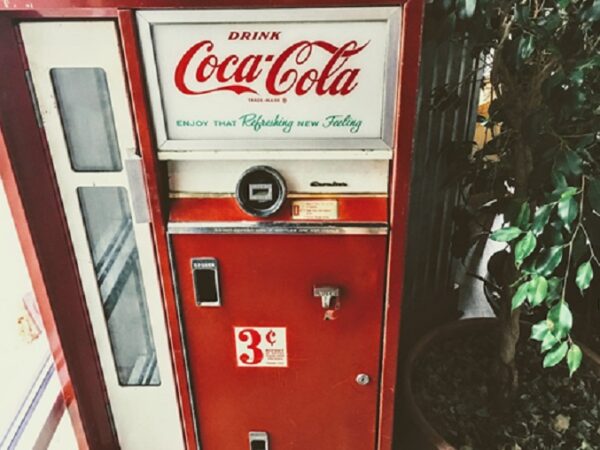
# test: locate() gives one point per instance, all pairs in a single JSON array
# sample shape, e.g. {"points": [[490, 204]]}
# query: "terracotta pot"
{"points": [[429, 438]]}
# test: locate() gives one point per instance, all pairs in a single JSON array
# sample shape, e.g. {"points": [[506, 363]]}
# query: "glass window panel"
{"points": [[87, 118], [110, 233]]}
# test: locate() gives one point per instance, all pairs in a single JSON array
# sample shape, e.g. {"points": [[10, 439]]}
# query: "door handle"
{"points": [[329, 296], [137, 189]]}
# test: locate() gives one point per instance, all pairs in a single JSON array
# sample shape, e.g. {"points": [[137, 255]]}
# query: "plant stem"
{"points": [[572, 241], [589, 242]]}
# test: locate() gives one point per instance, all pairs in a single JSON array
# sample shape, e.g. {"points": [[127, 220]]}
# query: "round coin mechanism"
{"points": [[260, 191]]}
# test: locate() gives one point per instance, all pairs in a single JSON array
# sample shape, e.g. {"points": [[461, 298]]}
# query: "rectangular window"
{"points": [[110, 233], [87, 118]]}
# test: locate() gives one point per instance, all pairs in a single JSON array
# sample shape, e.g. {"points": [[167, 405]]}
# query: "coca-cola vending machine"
{"points": [[234, 184]]}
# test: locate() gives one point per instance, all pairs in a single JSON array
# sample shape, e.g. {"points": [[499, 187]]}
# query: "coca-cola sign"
{"points": [[283, 72], [258, 79]]}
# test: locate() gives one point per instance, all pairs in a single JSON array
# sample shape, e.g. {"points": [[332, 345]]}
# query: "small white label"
{"points": [[315, 210], [261, 346]]}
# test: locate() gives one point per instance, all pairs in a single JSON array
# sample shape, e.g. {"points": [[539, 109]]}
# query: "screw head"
{"points": [[363, 379]]}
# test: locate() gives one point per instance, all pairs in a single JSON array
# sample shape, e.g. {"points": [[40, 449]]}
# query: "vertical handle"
{"points": [[137, 190]]}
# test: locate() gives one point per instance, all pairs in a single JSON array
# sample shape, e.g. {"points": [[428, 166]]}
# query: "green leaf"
{"points": [[568, 192], [576, 77], [592, 14], [526, 47], [554, 285], [550, 22], [574, 357], [524, 214], [548, 342], [562, 320], [591, 63], [564, 3], [569, 163], [540, 218], [585, 273], [466, 8], [567, 210], [520, 295], [538, 289], [574, 162], [548, 260], [525, 247], [506, 234], [558, 179], [540, 330], [593, 194], [556, 355]]}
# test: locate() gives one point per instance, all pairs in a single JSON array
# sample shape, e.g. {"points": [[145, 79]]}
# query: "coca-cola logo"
{"points": [[202, 70]]}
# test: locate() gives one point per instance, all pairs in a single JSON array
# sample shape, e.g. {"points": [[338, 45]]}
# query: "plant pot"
{"points": [[427, 437]]}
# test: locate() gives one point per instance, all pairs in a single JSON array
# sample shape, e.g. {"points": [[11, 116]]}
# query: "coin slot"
{"points": [[259, 440], [262, 192], [206, 282]]}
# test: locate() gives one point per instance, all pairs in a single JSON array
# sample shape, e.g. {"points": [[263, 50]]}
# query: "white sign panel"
{"points": [[265, 79], [261, 346]]}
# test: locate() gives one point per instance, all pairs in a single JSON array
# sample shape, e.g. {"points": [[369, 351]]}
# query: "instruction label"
{"points": [[261, 346], [315, 210]]}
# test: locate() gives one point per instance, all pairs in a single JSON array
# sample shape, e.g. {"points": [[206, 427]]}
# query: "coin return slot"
{"points": [[206, 282], [260, 192], [259, 440]]}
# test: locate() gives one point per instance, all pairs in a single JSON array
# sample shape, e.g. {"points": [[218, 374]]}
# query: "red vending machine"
{"points": [[234, 183]]}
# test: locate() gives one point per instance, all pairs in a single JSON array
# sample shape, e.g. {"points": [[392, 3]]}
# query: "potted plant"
{"points": [[541, 169]]}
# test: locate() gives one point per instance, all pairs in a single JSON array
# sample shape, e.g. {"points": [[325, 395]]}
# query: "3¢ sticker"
{"points": [[261, 346]]}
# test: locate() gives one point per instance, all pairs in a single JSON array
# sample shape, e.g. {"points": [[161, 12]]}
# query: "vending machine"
{"points": [[234, 182]]}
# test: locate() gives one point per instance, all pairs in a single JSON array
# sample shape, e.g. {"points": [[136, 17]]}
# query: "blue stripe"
{"points": [[31, 408]]}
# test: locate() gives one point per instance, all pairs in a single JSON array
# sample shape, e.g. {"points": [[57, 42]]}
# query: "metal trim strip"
{"points": [[181, 324], [276, 228], [308, 195]]}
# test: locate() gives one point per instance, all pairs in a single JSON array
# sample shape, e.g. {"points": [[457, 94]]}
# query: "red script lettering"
{"points": [[284, 73]]}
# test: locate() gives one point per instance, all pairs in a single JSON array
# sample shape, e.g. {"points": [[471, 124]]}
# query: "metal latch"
{"points": [[328, 294], [329, 300]]}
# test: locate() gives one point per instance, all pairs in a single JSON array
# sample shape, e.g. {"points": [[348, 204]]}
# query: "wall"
{"points": [[428, 296]]}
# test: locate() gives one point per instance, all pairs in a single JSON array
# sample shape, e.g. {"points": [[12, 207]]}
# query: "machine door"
{"points": [[78, 82], [283, 336]]}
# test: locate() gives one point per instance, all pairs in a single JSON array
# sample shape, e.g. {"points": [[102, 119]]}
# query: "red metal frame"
{"points": [[96, 8], [408, 81], [28, 178], [30, 184], [350, 209]]}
